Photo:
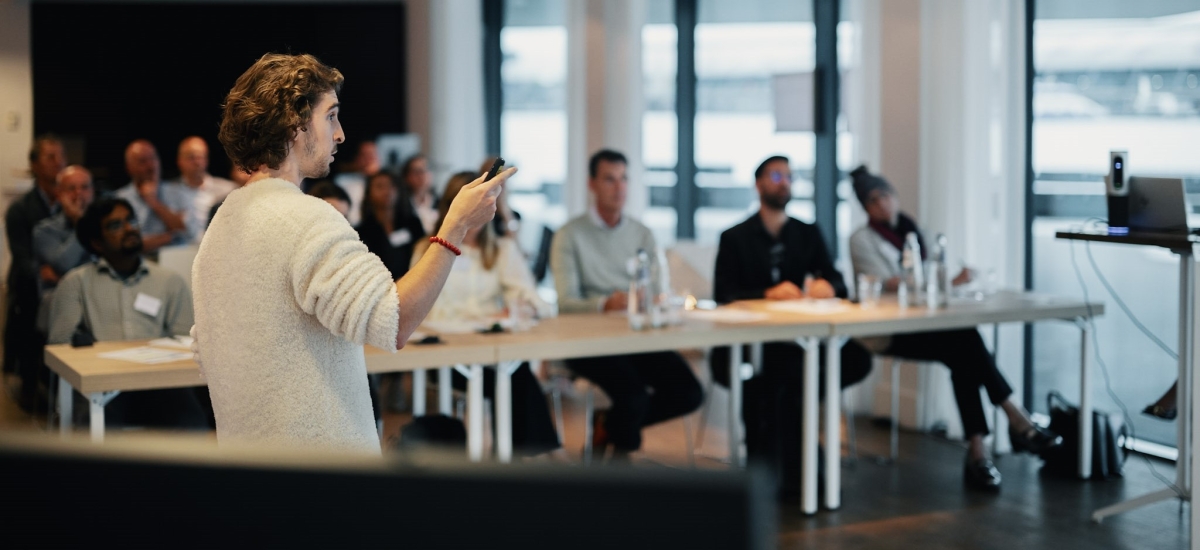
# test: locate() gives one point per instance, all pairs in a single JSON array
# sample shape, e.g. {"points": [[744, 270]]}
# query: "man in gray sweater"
{"points": [[588, 258]]}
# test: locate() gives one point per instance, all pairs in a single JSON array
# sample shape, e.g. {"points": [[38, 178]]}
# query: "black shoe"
{"points": [[1159, 411], [981, 475], [1036, 440]]}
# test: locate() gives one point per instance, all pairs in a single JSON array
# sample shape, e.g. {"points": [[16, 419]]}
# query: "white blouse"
{"points": [[474, 293]]}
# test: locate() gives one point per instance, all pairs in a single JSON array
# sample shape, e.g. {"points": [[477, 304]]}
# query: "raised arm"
{"points": [[418, 289]]}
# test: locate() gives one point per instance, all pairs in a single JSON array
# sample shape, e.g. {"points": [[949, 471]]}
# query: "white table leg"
{"points": [[66, 407], [445, 403], [1085, 405], [475, 413], [504, 410], [98, 401], [735, 407], [418, 392], [808, 437], [833, 417]]}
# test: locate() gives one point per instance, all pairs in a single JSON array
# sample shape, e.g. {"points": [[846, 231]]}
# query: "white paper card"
{"points": [[400, 237], [147, 355], [147, 304]]}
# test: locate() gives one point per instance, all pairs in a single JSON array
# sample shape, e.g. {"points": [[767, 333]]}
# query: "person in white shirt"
{"points": [[203, 189], [418, 187], [491, 283]]}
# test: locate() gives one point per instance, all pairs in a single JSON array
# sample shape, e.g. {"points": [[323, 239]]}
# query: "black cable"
{"points": [[1125, 308], [1108, 380]]}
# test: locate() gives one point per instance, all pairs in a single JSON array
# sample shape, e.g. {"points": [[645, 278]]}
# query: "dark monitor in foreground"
{"points": [[77, 495]]}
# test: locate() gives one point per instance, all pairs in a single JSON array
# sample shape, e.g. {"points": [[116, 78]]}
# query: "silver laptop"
{"points": [[1157, 205]]}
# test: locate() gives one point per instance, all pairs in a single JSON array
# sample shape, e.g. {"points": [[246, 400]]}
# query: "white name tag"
{"points": [[400, 237], [147, 304]]}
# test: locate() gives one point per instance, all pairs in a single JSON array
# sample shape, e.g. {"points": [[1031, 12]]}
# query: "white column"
{"points": [[456, 118], [604, 94]]}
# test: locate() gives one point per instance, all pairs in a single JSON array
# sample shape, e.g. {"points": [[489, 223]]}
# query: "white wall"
{"points": [[16, 91], [16, 106]]}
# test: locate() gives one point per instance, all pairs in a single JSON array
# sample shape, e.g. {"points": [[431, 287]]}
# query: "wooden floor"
{"points": [[919, 502]]}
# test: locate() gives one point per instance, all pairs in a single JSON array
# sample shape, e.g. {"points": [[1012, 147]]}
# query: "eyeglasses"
{"points": [[116, 225], [781, 177]]}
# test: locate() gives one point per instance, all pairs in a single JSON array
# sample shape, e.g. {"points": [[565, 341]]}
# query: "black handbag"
{"points": [[1108, 437]]}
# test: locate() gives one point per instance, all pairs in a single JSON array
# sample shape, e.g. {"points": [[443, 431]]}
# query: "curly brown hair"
{"points": [[268, 104]]}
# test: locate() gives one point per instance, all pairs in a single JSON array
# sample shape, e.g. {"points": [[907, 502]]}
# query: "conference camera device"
{"points": [[1117, 189]]}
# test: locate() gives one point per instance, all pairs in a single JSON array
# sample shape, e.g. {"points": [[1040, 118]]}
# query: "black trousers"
{"points": [[645, 389], [178, 408], [772, 401], [971, 366], [533, 430], [24, 345]]}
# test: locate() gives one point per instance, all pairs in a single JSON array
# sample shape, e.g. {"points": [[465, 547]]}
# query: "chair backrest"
{"points": [[541, 262], [179, 259], [691, 267]]}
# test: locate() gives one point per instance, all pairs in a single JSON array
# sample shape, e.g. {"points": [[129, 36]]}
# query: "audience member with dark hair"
{"points": [[120, 296], [54, 242], [768, 256], [490, 278], [418, 190], [161, 208], [333, 194], [389, 226], [588, 257], [22, 343], [875, 250]]}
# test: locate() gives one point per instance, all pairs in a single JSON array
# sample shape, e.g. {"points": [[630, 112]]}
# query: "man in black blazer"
{"points": [[769, 256], [22, 342]]}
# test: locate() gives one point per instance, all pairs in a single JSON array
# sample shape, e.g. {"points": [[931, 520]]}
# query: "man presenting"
{"points": [[285, 293]]}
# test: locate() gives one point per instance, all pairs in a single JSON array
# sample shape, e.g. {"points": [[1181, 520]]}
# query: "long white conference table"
{"points": [[576, 336]]}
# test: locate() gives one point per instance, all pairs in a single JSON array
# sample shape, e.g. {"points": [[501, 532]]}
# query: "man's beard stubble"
{"points": [[776, 202]]}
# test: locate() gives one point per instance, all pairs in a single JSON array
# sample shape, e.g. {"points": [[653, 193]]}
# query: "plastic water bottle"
{"points": [[937, 285], [639, 291], [913, 280]]}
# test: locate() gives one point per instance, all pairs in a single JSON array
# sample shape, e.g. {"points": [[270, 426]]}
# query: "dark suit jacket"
{"points": [[744, 269], [396, 258], [22, 215]]}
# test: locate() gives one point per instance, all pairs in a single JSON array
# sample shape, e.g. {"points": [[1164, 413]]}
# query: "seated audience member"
{"points": [[22, 342], [120, 296], [389, 226], [161, 208], [875, 250], [354, 180], [418, 190], [54, 243], [769, 256], [588, 257], [203, 190], [332, 194], [489, 278]]}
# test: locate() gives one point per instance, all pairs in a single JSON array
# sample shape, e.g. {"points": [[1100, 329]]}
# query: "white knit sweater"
{"points": [[285, 296]]}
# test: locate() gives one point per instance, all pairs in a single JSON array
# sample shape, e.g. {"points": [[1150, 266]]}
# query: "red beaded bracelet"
{"points": [[446, 244]]}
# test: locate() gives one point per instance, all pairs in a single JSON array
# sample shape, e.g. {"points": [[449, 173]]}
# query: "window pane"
{"points": [[660, 136], [533, 122], [1093, 94], [741, 50]]}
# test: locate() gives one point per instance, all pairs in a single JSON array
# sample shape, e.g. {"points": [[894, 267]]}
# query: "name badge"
{"points": [[400, 237], [147, 304]]}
